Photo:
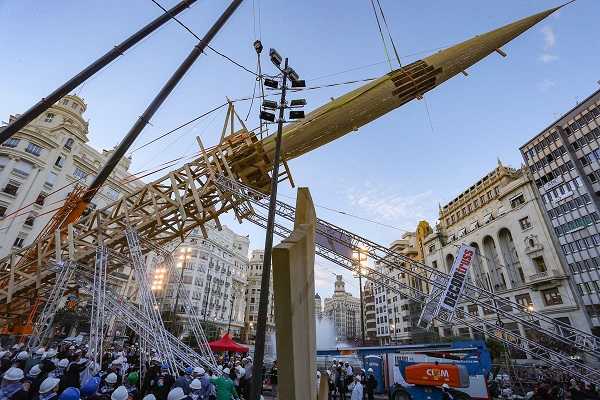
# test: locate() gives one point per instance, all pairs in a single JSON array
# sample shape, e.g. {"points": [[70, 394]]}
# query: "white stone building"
{"points": [[252, 293], [318, 306], [214, 276], [343, 310], [500, 217], [42, 163]]}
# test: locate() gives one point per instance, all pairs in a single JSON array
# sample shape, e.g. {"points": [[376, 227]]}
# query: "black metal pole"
{"points": [[230, 314], [362, 319], [90, 70], [207, 296], [136, 129], [174, 320], [263, 305]]}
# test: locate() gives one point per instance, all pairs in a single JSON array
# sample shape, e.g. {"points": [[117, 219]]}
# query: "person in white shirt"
{"points": [[357, 392]]}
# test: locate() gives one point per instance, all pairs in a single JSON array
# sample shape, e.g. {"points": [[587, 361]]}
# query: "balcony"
{"points": [[544, 277]]}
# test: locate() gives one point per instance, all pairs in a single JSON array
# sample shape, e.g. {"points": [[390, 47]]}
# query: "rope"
{"points": [[389, 33], [387, 54], [199, 38]]}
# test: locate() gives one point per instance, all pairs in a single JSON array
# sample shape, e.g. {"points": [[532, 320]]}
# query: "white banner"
{"points": [[456, 283]]}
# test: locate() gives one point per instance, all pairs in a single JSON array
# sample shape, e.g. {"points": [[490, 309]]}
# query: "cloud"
{"points": [[548, 58], [546, 85], [549, 37], [389, 207], [549, 43]]}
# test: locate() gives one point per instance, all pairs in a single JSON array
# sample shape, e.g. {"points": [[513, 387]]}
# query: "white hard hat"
{"points": [[370, 370], [72, 348], [176, 394], [220, 368], [111, 378], [149, 397], [225, 371], [445, 386], [23, 355], [196, 384], [13, 374], [199, 371], [117, 361], [35, 370], [64, 363], [120, 393], [48, 384], [51, 353], [40, 351]]}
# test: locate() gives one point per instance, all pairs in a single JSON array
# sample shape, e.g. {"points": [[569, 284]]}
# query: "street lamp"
{"points": [[286, 73], [360, 261]]}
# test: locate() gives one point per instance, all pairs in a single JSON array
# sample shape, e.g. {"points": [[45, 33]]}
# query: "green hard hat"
{"points": [[133, 378]]}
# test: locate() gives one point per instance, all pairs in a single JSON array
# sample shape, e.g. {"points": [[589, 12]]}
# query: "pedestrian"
{"points": [[357, 391], [48, 389], [120, 393], [12, 387], [371, 384], [248, 367], [133, 379], [340, 382], [109, 385], [274, 380], [20, 361]]}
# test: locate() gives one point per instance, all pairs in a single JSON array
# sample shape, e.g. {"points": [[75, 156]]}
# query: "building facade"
{"points": [[318, 306], [252, 293], [45, 161], [343, 310], [564, 160], [516, 257], [214, 276], [370, 315], [396, 316]]}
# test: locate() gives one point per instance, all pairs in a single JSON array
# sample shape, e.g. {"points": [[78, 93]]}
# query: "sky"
{"points": [[395, 170]]}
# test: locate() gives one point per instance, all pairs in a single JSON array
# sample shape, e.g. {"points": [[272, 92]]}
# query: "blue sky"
{"points": [[395, 170]]}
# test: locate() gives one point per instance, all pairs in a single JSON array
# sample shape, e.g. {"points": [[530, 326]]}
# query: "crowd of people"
{"points": [[64, 373], [348, 382], [534, 383]]}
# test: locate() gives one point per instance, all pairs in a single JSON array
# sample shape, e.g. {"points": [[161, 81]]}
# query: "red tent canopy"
{"points": [[227, 344]]}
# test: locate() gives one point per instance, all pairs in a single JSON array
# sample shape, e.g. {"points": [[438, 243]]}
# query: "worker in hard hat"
{"points": [[20, 360], [370, 384], [11, 387], [70, 393], [176, 393], [120, 393], [35, 377], [48, 389], [109, 384], [132, 385], [446, 395], [90, 388], [224, 386]]}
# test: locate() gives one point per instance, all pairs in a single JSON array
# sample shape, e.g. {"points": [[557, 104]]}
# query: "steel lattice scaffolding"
{"points": [[337, 244]]}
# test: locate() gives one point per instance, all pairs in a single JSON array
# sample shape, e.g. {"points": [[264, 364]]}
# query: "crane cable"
{"points": [[387, 54]]}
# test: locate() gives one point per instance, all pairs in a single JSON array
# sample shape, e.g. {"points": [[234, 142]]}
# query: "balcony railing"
{"points": [[543, 276]]}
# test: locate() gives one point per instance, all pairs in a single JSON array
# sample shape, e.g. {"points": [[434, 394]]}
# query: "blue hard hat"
{"points": [[90, 387], [70, 393], [189, 370], [164, 365]]}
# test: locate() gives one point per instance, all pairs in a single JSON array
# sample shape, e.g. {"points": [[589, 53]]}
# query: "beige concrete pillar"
{"points": [[294, 287]]}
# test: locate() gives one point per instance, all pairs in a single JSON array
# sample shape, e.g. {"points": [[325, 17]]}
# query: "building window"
{"points": [[540, 265], [41, 199], [432, 248], [472, 309], [30, 220], [12, 142], [593, 178], [525, 223], [517, 201], [112, 193], [49, 117], [34, 149], [80, 174], [20, 240], [69, 144], [60, 161], [51, 178], [552, 297], [11, 188], [524, 300], [3, 209]]}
